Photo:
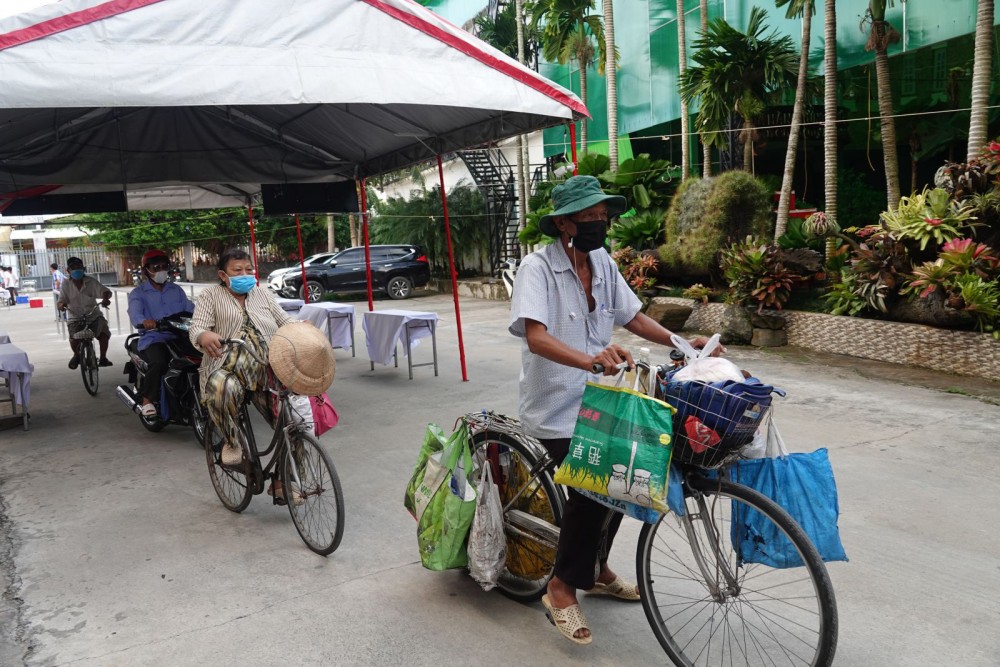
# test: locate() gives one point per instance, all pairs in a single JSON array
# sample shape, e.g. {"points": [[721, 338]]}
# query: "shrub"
{"points": [[708, 213]]}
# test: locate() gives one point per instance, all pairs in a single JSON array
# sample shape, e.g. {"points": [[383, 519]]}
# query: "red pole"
{"points": [[451, 268], [302, 260], [368, 254], [572, 145], [253, 244]]}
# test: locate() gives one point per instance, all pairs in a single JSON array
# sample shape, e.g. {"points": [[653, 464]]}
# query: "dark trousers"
{"points": [[157, 357], [583, 543]]}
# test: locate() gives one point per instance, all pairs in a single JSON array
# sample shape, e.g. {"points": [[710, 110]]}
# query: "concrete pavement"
{"points": [[119, 553]]}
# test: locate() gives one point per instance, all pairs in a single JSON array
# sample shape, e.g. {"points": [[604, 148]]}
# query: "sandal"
{"points": [[279, 495], [619, 588], [147, 410], [568, 621]]}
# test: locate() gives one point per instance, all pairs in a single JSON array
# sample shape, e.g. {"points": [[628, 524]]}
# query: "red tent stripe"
{"points": [[470, 50], [70, 21]]}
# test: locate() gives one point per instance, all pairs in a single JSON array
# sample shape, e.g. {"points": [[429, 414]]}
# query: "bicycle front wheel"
{"points": [[312, 491], [88, 367], [533, 508], [708, 607], [231, 483]]}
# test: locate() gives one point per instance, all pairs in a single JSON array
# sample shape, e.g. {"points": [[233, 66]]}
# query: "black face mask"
{"points": [[589, 236]]}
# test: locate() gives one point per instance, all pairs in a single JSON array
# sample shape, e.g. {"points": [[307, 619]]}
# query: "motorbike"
{"points": [[180, 399], [507, 274]]}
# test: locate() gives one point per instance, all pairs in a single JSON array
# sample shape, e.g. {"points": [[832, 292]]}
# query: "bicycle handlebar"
{"points": [[597, 369], [239, 342]]}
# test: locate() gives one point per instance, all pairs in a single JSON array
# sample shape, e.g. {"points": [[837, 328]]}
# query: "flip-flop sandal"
{"points": [[279, 499], [568, 621], [619, 588], [148, 410]]}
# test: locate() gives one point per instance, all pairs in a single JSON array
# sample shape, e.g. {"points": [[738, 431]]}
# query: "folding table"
{"points": [[15, 375], [336, 320], [383, 328]]}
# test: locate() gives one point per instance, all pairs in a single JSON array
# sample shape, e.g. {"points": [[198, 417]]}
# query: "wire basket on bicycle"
{"points": [[715, 421]]}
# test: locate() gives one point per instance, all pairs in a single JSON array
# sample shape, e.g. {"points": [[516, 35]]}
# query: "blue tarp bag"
{"points": [[804, 486]]}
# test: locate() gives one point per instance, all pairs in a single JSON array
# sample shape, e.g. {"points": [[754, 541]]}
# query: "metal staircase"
{"points": [[494, 177]]}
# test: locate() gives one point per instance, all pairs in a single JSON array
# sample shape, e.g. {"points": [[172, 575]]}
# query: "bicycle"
{"points": [[85, 353], [703, 602], [308, 477]]}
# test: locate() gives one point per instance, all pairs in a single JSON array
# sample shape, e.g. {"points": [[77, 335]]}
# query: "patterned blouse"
{"points": [[216, 309]]}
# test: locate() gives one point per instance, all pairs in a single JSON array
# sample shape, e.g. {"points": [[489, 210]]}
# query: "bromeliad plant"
{"points": [[638, 268], [764, 274], [928, 216]]}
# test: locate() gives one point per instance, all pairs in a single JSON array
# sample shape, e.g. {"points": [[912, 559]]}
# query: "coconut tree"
{"points": [[681, 68], [830, 115], [881, 35], [572, 33], [737, 72], [611, 78], [804, 9], [706, 147], [982, 67]]}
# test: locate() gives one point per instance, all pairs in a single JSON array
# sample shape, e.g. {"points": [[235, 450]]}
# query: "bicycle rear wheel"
{"points": [[231, 483], [708, 607], [88, 366], [533, 507], [312, 491]]}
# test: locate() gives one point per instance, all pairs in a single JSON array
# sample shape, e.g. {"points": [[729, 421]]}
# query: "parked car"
{"points": [[274, 278], [396, 270]]}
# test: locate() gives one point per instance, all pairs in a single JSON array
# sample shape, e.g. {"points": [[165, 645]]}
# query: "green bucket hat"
{"points": [[579, 193]]}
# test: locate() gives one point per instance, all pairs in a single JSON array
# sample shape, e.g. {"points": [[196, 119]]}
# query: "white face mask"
{"points": [[160, 277]]}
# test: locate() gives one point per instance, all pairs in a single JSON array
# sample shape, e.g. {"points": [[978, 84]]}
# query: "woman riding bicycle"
{"points": [[236, 308], [567, 299]]}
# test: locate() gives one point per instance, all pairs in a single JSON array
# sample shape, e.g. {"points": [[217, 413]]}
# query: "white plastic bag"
{"points": [[702, 366], [487, 548], [767, 443], [302, 412]]}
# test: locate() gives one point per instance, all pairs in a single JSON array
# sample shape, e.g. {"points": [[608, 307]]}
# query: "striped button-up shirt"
{"points": [[548, 291], [219, 311]]}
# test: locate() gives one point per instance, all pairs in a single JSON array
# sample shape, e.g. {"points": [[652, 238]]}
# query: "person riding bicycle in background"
{"points": [[567, 299], [79, 296], [155, 299], [236, 308]]}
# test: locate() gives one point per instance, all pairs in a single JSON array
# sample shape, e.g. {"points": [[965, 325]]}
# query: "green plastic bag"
{"points": [[441, 499], [621, 447]]}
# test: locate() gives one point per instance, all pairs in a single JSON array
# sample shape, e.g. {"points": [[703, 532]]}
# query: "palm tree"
{"points": [[737, 72], [982, 67], [569, 34], [706, 147], [882, 34], [830, 115], [611, 77], [682, 67], [805, 9]]}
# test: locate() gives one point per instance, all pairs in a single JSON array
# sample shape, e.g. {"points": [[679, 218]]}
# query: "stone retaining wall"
{"points": [[475, 288], [961, 352]]}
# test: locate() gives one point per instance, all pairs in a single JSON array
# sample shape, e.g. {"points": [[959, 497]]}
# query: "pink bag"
{"points": [[325, 415]]}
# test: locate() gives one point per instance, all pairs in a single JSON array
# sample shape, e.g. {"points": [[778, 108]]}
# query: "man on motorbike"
{"points": [[155, 299]]}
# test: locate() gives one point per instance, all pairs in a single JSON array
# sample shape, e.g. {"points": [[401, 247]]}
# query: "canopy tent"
{"points": [[192, 104]]}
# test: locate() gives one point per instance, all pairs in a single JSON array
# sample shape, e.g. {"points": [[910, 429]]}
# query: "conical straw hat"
{"points": [[301, 357]]}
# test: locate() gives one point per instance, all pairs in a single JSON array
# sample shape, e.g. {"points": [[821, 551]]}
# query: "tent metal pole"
{"points": [[451, 268], [302, 260], [368, 256], [572, 145], [253, 243]]}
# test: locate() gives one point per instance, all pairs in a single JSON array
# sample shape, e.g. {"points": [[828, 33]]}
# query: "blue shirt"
{"points": [[146, 302], [547, 290]]}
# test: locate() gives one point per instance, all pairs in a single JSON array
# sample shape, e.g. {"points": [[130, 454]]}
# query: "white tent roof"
{"points": [[156, 96]]}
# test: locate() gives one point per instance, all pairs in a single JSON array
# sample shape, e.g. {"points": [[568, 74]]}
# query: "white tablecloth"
{"points": [[384, 327], [14, 363], [290, 306], [4, 338], [336, 320]]}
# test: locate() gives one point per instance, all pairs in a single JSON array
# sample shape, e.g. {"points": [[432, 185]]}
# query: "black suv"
{"points": [[396, 270]]}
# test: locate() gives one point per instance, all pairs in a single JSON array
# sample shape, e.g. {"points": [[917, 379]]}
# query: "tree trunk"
{"points": [[748, 145], [522, 183], [611, 76], [982, 68], [706, 148], [331, 241], [681, 68], [885, 110], [352, 223], [796, 129], [583, 98], [830, 109]]}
